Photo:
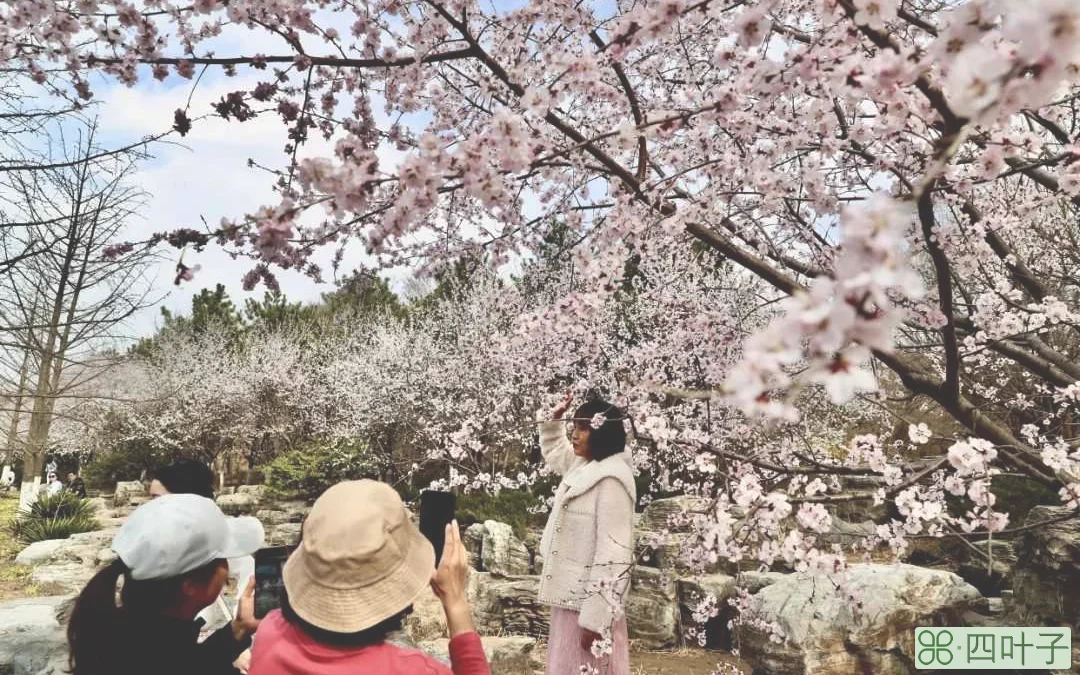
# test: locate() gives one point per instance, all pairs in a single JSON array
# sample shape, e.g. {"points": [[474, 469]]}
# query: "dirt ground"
{"points": [[684, 662], [679, 662]]}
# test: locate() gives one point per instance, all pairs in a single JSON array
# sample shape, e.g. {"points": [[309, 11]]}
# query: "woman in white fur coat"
{"points": [[587, 545]]}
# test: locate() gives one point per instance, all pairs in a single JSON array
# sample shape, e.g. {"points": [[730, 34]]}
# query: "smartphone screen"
{"points": [[269, 584], [436, 511]]}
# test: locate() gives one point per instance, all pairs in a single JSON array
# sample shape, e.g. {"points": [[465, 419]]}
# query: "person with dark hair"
{"points": [[587, 545], [187, 476], [171, 557], [76, 485], [360, 565]]}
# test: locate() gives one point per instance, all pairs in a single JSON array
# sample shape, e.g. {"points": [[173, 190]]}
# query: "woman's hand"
{"points": [[588, 638], [560, 410], [449, 580], [245, 624]]}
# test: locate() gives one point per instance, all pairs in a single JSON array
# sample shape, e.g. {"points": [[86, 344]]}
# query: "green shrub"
{"points": [[508, 506], [308, 471], [54, 517]]}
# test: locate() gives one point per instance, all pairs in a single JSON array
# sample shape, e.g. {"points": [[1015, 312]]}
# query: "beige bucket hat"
{"points": [[361, 559]]}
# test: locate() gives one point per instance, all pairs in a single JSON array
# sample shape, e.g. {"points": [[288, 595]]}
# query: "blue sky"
{"points": [[205, 175]]}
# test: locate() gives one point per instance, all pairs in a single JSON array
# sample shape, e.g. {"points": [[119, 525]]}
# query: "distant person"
{"points": [[76, 485], [53, 486], [360, 566], [172, 555], [588, 540], [7, 478], [50, 467], [187, 476]]}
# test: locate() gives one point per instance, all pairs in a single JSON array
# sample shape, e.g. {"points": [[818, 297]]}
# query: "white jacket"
{"points": [[588, 541]]}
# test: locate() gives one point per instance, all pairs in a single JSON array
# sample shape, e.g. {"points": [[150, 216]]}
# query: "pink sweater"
{"points": [[282, 649]]}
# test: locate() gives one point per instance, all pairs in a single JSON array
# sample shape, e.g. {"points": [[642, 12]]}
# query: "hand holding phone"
{"points": [[436, 512], [269, 584]]}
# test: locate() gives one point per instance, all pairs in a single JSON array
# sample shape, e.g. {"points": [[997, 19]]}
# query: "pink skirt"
{"points": [[566, 657]]}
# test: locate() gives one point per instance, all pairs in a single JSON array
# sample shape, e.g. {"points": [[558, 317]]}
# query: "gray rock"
{"points": [[69, 576], [827, 633], [847, 534], [509, 606], [506, 655], [502, 553], [100, 505], [532, 545], [32, 638], [473, 538], [1046, 581], [258, 492], [699, 630], [40, 552], [755, 581], [240, 504], [295, 511], [284, 534], [991, 574], [128, 492], [667, 514], [652, 609], [271, 517]]}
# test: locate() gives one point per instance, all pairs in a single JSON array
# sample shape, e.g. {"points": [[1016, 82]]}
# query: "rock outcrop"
{"points": [[825, 632]]}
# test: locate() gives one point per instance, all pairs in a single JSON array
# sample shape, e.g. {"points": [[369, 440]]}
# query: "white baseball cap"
{"points": [[177, 533]]}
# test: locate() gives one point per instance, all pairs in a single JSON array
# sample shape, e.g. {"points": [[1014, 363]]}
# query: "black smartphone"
{"points": [[436, 511], [269, 584]]}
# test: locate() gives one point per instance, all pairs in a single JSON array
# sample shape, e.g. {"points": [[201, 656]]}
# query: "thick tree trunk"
{"points": [[11, 447], [31, 480]]}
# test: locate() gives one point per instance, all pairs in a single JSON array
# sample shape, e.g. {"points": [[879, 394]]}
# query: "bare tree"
{"points": [[66, 305]]}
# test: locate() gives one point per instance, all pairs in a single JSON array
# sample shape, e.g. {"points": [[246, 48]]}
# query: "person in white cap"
{"points": [[172, 561], [360, 565]]}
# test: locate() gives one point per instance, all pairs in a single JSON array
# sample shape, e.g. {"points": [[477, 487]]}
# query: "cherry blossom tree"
{"points": [[900, 177]]}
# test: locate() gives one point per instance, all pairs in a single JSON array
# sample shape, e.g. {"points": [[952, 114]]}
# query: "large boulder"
{"points": [[506, 655], [128, 493], [671, 514], [704, 610], [652, 609], [65, 565], [40, 552], [509, 606], [847, 534], [753, 581], [825, 632], [502, 553], [32, 638], [257, 492], [1046, 582], [678, 554], [63, 577], [283, 534], [473, 538], [990, 573], [239, 504]]}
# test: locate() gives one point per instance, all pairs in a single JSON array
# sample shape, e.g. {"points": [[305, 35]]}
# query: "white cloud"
{"points": [[207, 177]]}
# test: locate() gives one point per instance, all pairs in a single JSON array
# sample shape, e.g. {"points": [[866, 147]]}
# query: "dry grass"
{"points": [[15, 579]]}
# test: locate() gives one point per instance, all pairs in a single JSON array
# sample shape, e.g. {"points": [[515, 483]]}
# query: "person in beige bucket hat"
{"points": [[360, 566]]}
